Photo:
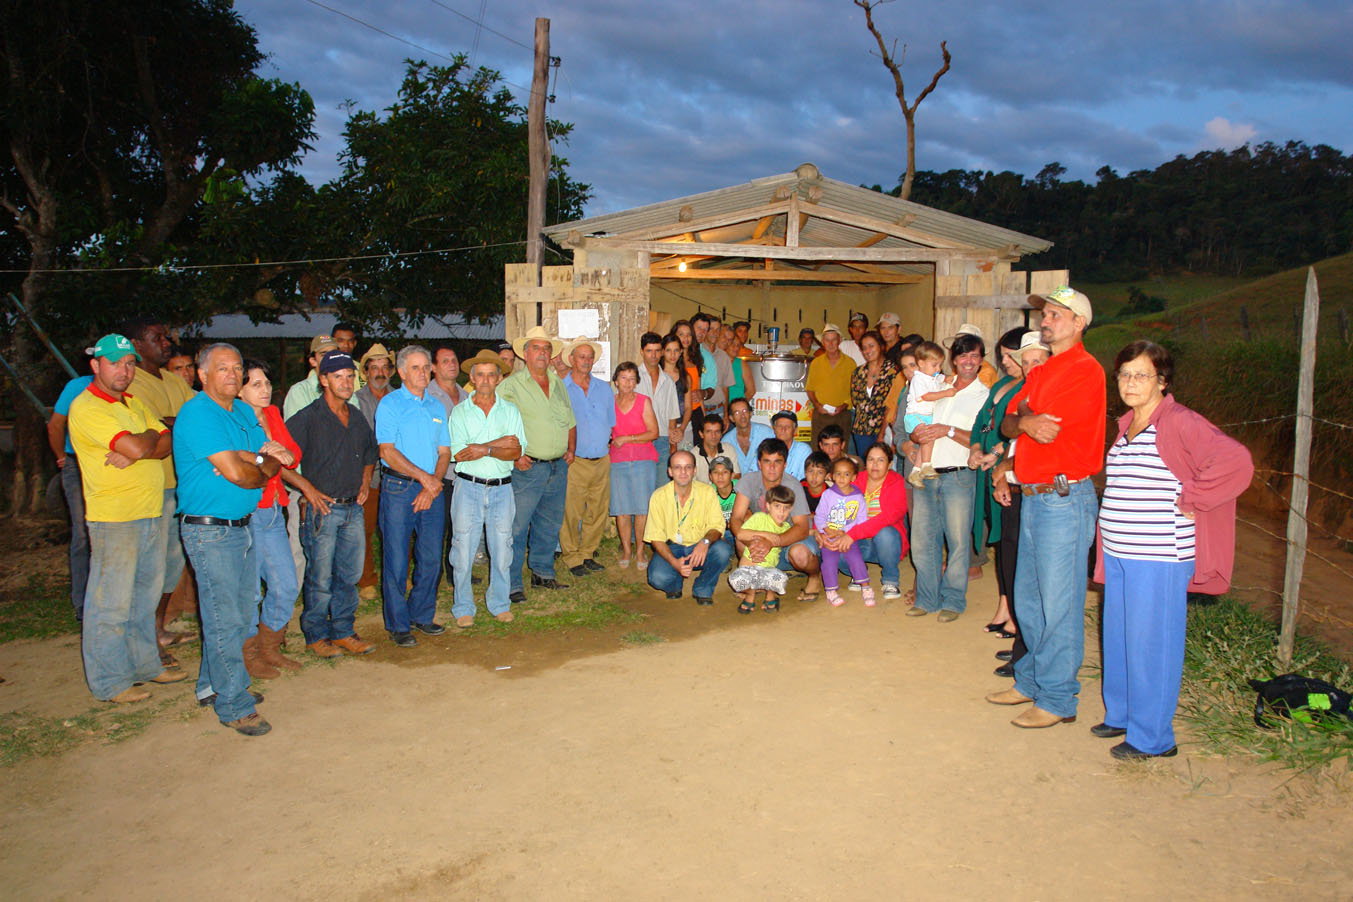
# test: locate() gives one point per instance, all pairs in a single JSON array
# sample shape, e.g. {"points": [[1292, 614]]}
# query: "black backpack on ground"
{"points": [[1298, 697]]}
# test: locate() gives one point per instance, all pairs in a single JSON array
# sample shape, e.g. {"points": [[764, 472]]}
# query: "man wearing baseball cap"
{"points": [[1057, 419], [890, 326], [119, 444], [858, 325]]}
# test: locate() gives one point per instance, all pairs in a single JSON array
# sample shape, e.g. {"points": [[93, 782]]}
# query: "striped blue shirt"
{"points": [[1138, 517]]}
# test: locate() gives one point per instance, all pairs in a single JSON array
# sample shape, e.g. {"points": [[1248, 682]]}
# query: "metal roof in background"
{"points": [[837, 195], [299, 325]]}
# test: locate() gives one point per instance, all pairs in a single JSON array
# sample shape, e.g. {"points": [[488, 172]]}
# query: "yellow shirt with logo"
{"points": [[685, 524], [97, 420], [164, 396]]}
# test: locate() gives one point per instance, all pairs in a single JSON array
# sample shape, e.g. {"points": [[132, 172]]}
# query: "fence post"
{"points": [[1301, 466]]}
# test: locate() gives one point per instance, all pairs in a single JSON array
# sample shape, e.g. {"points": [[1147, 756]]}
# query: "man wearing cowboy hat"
{"points": [[589, 474], [378, 365], [540, 482], [1058, 419], [486, 438], [987, 373]]}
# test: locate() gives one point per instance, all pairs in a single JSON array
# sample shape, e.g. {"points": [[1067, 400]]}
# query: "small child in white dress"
{"points": [[927, 386]]}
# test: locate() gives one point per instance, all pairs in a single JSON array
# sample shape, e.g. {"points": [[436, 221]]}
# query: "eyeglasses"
{"points": [[1136, 378]]}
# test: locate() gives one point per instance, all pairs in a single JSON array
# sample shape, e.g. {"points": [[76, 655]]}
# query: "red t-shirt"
{"points": [[1070, 386]]}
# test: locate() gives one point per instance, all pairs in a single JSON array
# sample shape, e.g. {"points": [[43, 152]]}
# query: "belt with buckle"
{"points": [[215, 521], [1044, 488], [949, 469], [386, 472], [349, 500], [542, 460], [506, 480], [588, 458]]}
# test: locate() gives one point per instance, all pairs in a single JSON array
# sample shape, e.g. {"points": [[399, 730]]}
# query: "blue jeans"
{"points": [[268, 528], [126, 567], [170, 545], [73, 488], [943, 516], [223, 558], [539, 496], [401, 527], [335, 549], [884, 549], [1145, 613], [662, 576], [864, 441], [664, 449], [807, 542], [475, 510], [1055, 534]]}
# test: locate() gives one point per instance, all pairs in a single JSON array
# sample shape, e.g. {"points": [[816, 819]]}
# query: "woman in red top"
{"points": [[263, 647], [883, 537]]}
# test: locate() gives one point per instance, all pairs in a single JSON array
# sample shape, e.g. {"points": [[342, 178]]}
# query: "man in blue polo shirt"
{"points": [[588, 496], [411, 433], [223, 461], [486, 438], [73, 488]]}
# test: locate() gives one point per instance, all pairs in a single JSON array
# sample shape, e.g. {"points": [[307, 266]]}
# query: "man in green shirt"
{"points": [[541, 477], [486, 439]]}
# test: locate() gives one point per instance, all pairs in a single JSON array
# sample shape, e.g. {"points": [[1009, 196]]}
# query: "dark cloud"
{"points": [[672, 99]]}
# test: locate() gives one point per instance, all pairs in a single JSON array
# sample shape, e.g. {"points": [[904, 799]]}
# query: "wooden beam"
{"points": [[707, 222], [792, 222], [872, 240], [813, 254], [761, 225], [999, 301], [877, 225], [790, 275]]}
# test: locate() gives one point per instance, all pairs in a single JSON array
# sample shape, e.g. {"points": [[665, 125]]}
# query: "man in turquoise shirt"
{"points": [[486, 438]]}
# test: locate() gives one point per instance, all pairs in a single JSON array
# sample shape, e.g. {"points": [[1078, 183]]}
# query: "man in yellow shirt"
{"points": [[119, 443], [685, 528], [828, 384], [163, 393]]}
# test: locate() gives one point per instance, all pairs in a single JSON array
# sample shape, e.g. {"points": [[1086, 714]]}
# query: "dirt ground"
{"points": [[817, 753]]}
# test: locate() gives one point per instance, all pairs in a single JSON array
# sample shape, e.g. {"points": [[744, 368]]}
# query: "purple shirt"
{"points": [[840, 512]]}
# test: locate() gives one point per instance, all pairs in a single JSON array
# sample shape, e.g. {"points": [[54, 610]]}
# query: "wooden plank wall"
{"points": [[620, 297], [998, 302]]}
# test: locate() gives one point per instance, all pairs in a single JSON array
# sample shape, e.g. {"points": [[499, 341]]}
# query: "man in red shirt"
{"points": [[1057, 424]]}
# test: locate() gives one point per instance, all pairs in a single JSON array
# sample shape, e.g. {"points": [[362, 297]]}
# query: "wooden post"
{"points": [[538, 147], [1301, 467]]}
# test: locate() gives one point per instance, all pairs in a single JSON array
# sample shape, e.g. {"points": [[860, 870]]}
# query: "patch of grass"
{"points": [[1228, 644], [40, 610], [24, 736], [641, 637]]}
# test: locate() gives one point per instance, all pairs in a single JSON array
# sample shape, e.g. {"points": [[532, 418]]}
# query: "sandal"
{"points": [[770, 605], [806, 596], [624, 563], [868, 596], [746, 607], [835, 598], [994, 627]]}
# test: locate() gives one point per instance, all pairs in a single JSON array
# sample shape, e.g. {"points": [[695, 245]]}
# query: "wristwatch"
{"points": [[705, 540], [951, 431], [258, 460]]}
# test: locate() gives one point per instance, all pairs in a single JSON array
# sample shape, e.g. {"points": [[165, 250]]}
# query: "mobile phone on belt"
{"points": [[1062, 486]]}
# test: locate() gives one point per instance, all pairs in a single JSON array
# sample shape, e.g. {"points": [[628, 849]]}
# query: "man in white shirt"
{"points": [[858, 325], [661, 390]]}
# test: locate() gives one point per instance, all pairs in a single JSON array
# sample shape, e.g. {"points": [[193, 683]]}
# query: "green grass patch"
{"points": [[24, 736], [641, 637], [1229, 644], [40, 610]]}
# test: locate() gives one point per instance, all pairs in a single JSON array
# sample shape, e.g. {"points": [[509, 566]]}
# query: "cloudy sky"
{"points": [[670, 99]]}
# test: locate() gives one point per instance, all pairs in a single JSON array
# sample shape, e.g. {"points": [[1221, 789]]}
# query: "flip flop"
{"points": [[808, 596]]}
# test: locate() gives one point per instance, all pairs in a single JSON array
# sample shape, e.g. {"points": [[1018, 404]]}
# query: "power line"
{"points": [[480, 22], [194, 267]]}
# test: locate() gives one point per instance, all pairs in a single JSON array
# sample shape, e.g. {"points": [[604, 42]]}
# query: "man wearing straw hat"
{"points": [[589, 474], [378, 365], [540, 482], [486, 439]]}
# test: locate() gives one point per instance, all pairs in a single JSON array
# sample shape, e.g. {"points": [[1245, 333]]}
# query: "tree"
{"points": [[894, 66], [116, 116]]}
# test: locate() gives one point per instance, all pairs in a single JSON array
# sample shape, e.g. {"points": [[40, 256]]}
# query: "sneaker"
{"points": [[253, 725], [835, 598], [891, 590], [915, 479], [928, 472], [430, 628], [403, 640], [353, 645], [855, 587]]}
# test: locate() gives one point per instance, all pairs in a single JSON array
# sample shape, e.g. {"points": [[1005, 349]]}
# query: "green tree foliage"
{"points": [[1250, 211], [433, 191]]}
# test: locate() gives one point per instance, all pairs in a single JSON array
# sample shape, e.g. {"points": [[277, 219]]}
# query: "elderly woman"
{"points": [[1166, 527], [871, 387], [988, 448], [632, 462], [942, 507], [882, 536]]}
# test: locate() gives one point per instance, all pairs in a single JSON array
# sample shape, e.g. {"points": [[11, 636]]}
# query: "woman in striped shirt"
{"points": [[1166, 527]]}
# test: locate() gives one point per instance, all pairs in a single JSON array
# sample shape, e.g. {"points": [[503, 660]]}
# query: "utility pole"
{"points": [[538, 147]]}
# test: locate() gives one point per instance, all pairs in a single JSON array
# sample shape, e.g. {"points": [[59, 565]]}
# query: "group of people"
{"points": [[523, 465]]}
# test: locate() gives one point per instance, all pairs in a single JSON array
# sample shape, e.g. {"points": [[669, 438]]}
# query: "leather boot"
{"points": [[258, 668], [270, 649]]}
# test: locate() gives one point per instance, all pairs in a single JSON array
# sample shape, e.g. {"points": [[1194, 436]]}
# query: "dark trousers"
{"points": [[1007, 553]]}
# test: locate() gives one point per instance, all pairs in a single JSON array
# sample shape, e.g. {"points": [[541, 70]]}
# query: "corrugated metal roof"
{"points": [[847, 198], [298, 325]]}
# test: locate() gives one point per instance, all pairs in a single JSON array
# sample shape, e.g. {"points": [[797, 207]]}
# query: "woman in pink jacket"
{"points": [[883, 536], [1166, 527]]}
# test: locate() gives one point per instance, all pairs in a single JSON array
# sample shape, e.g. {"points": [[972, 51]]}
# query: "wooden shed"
{"points": [[789, 250]]}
